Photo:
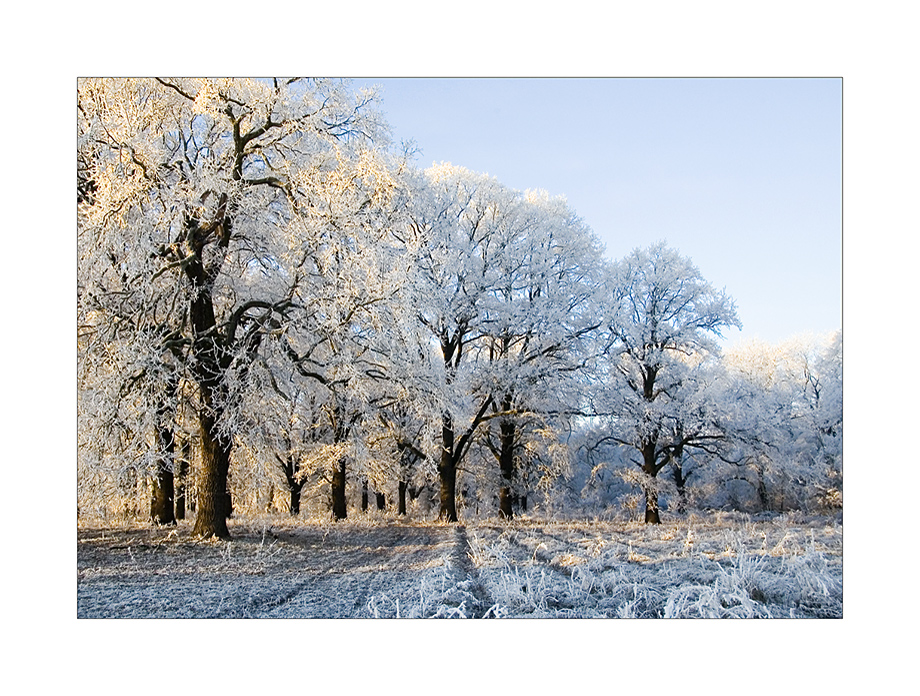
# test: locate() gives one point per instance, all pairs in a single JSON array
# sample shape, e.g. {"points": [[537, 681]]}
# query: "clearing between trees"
{"points": [[722, 565]]}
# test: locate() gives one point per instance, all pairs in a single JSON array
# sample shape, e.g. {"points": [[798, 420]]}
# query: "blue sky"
{"points": [[742, 175]]}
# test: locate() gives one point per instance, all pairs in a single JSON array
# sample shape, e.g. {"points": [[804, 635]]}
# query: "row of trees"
{"points": [[265, 283], [760, 428]]}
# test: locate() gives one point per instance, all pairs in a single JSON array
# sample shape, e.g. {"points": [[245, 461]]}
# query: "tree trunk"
{"points": [[295, 486], [447, 470], [381, 500], [182, 466], [651, 507], [448, 509], [364, 495], [681, 484], [180, 492], [451, 350], [506, 464], [162, 508], [338, 491], [214, 505], [294, 507], [505, 500], [209, 365], [679, 480], [760, 471], [401, 504], [651, 495]]}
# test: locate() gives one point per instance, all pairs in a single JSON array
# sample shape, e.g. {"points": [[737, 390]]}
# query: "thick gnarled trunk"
{"points": [[211, 360], [213, 497]]}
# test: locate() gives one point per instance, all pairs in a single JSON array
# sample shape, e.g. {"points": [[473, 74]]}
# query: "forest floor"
{"points": [[718, 565]]}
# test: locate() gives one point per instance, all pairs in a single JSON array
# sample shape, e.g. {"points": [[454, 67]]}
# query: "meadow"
{"points": [[713, 565]]}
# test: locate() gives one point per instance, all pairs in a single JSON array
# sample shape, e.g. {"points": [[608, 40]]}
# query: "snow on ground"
{"points": [[724, 565]]}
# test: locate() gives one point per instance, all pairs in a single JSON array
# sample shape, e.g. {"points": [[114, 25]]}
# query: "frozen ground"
{"points": [[710, 566]]}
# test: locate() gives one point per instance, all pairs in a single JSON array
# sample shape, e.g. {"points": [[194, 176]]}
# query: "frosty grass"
{"points": [[719, 566]]}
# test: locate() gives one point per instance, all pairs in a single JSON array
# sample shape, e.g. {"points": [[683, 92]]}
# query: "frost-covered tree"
{"points": [[286, 427], [788, 424], [826, 382], [659, 374], [211, 212], [505, 287], [404, 429], [455, 214], [540, 331]]}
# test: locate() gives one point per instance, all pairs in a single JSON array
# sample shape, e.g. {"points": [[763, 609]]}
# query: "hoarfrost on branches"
{"points": [[264, 286]]}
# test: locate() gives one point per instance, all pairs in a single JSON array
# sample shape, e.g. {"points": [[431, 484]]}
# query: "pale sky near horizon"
{"points": [[744, 176]]}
